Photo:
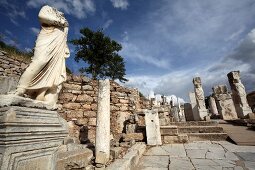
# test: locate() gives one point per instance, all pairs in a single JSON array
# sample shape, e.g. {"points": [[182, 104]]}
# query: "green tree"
{"points": [[116, 68], [101, 55]]}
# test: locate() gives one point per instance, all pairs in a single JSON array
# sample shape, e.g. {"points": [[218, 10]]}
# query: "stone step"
{"points": [[195, 123], [181, 138], [175, 130], [207, 136], [184, 138], [199, 129], [168, 130]]}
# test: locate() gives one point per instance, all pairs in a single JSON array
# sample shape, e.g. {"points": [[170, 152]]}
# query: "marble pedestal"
{"points": [[202, 113], [30, 134], [152, 127]]}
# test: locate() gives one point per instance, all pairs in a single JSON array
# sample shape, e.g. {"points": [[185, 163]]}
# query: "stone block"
{"points": [[86, 107], [72, 106], [123, 108], [82, 121], [87, 88], [76, 78], [70, 86], [94, 107], [85, 79], [90, 114], [124, 101], [168, 130], [175, 139], [152, 127], [84, 98], [114, 100], [133, 136], [74, 159], [194, 106], [115, 108], [74, 114], [207, 136], [66, 97], [92, 122]]}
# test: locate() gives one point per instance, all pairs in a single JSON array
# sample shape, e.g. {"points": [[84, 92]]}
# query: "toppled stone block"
{"points": [[133, 136], [76, 157]]}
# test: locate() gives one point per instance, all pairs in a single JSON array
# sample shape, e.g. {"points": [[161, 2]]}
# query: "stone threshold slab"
{"points": [[130, 160]]}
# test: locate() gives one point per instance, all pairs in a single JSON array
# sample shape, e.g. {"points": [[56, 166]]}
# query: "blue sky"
{"points": [[165, 42]]}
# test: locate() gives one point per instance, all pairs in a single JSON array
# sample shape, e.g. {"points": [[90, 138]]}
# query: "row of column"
{"points": [[229, 106]]}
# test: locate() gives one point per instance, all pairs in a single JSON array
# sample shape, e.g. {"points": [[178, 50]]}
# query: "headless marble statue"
{"points": [[199, 92], [43, 78]]}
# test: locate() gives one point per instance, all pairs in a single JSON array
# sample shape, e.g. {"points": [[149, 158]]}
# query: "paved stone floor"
{"points": [[205, 155]]}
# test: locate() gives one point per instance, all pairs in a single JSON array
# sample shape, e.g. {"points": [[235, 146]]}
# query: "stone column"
{"points": [[103, 123], [238, 94], [224, 102], [200, 98], [213, 106]]}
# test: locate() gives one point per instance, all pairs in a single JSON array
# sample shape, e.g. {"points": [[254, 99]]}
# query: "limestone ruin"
{"points": [[200, 98], [224, 102], [238, 94], [99, 124]]}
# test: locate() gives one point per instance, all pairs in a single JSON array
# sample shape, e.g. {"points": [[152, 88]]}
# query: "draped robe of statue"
{"points": [[43, 78]]}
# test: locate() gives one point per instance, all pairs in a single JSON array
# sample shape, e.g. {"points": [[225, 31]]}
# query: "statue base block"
{"points": [[30, 136], [202, 113]]}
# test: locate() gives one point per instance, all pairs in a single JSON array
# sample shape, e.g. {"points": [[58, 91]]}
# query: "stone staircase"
{"points": [[182, 132]]}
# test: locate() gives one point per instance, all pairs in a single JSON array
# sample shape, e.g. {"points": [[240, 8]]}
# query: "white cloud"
{"points": [[107, 24], [122, 4], [35, 30], [242, 58], [13, 12], [131, 52], [77, 8], [236, 34], [27, 49], [192, 38], [9, 32], [8, 39]]}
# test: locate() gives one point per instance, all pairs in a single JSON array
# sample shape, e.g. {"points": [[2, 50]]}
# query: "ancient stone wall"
{"points": [[10, 66], [10, 71], [79, 101]]}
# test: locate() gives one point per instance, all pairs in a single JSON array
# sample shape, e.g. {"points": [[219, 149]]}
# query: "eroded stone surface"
{"points": [[180, 163], [204, 155], [155, 161]]}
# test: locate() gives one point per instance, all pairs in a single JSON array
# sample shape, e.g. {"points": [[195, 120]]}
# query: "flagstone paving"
{"points": [[199, 155]]}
